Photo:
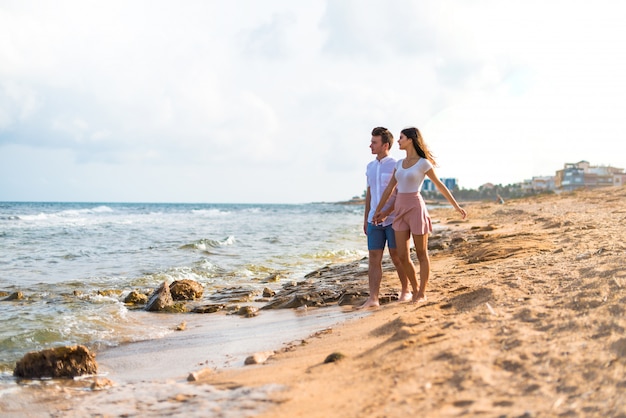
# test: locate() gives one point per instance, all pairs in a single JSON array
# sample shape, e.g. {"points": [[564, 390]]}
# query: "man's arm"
{"points": [[368, 202]]}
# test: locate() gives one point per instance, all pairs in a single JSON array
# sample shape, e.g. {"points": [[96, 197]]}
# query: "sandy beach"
{"points": [[524, 317]]}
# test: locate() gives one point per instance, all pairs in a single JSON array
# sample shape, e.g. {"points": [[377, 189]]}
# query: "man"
{"points": [[379, 173]]}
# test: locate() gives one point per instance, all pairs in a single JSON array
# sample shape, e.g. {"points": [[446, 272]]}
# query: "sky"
{"points": [[273, 101]]}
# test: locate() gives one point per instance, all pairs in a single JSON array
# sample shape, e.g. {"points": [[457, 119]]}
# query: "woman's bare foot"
{"points": [[369, 303], [418, 298], [405, 296]]}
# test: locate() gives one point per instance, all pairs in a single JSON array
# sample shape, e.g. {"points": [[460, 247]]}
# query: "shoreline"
{"points": [[215, 343], [150, 371], [525, 316]]}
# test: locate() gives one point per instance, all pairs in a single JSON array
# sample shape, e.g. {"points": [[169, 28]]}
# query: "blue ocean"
{"points": [[74, 262]]}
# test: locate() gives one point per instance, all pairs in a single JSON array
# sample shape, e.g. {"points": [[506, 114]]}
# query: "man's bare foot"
{"points": [[418, 298], [369, 303], [405, 296]]}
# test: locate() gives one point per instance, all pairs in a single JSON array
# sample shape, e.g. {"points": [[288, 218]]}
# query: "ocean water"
{"points": [[75, 262]]}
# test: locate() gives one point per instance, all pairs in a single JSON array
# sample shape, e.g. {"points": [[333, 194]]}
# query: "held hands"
{"points": [[379, 217]]}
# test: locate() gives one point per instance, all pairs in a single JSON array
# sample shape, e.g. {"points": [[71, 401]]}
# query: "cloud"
{"points": [[271, 40], [377, 30]]}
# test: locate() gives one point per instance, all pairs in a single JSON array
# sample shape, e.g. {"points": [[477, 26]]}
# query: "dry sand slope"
{"points": [[525, 317]]}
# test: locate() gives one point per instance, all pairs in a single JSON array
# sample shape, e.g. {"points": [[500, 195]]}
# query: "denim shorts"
{"points": [[377, 235]]}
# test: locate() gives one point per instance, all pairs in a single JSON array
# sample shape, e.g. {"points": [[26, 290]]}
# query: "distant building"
{"points": [[619, 179], [582, 174], [538, 184], [429, 186]]}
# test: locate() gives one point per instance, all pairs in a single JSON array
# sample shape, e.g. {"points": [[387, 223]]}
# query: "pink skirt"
{"points": [[411, 214]]}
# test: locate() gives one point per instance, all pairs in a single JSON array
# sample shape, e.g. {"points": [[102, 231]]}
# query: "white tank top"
{"points": [[410, 179]]}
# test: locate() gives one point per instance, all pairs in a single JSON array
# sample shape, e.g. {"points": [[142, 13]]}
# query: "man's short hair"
{"points": [[385, 135]]}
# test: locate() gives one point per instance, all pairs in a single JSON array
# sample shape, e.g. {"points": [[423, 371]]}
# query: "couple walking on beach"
{"points": [[395, 211]]}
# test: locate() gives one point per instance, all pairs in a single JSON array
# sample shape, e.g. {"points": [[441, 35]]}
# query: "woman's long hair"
{"points": [[419, 144]]}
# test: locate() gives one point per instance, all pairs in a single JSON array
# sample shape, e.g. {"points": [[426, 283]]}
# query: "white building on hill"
{"points": [[582, 174]]}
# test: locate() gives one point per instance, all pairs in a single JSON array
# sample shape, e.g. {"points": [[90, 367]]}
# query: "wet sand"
{"points": [[136, 378], [524, 317]]}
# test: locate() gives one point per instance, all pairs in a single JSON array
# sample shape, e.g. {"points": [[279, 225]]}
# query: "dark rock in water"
{"points": [[208, 308], [268, 293], [161, 299], [60, 362], [136, 298], [177, 307], [295, 300], [272, 278], [186, 289], [317, 273], [342, 283], [15, 296], [109, 292], [234, 295], [248, 311], [351, 298]]}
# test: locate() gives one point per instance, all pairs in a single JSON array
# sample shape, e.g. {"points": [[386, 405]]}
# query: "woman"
{"points": [[411, 215]]}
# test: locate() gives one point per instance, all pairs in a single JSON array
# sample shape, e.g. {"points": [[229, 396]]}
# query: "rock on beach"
{"points": [[186, 289], [160, 299], [60, 362]]}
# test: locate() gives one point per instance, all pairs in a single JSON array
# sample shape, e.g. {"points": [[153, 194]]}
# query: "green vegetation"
{"points": [[487, 192]]}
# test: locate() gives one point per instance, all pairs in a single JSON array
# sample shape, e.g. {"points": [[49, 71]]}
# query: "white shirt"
{"points": [[379, 174], [410, 179]]}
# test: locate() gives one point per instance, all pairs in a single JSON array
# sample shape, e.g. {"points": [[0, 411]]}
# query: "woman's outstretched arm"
{"points": [[445, 192]]}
